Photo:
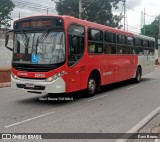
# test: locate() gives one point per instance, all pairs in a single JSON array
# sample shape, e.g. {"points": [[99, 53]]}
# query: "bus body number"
{"points": [[40, 75]]}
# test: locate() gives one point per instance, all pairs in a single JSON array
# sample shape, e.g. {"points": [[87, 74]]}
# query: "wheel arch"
{"points": [[140, 67], [97, 74]]}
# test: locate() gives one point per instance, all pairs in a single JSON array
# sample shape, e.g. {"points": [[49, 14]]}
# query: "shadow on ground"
{"points": [[63, 99]]}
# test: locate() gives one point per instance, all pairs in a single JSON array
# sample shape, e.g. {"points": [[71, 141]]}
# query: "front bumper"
{"points": [[40, 86]]}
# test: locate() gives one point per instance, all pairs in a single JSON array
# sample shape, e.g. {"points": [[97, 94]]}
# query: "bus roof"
{"points": [[92, 25], [144, 37]]}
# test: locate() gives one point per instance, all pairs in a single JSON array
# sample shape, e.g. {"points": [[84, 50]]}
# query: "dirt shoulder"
{"points": [[5, 76]]}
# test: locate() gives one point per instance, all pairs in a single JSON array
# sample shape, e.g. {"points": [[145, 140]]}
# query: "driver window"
{"points": [[75, 44]]}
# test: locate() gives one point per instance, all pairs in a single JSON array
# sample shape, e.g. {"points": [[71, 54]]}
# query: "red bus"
{"points": [[62, 54]]}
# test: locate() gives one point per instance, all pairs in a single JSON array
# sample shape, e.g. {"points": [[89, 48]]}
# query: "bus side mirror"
{"points": [[7, 40]]}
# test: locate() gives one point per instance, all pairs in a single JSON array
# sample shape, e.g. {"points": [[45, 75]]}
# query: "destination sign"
{"points": [[37, 24]]}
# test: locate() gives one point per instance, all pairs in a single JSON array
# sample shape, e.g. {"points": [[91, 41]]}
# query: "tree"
{"points": [[152, 30], [6, 6], [99, 11]]}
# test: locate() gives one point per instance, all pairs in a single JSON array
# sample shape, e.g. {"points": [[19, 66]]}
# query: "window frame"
{"points": [[100, 42], [84, 36]]}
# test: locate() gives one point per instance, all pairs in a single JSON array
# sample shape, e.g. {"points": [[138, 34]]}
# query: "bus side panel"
{"points": [[78, 75], [110, 68], [75, 78], [151, 63], [147, 63], [104, 64], [133, 66], [121, 66], [91, 63]]}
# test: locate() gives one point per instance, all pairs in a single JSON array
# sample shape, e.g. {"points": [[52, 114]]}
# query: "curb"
{"points": [[141, 124], [7, 84]]}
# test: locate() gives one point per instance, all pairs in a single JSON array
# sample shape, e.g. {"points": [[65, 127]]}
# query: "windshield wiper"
{"points": [[42, 38]]}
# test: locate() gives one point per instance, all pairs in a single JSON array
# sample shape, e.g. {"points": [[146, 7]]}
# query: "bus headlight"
{"points": [[14, 76], [54, 77]]}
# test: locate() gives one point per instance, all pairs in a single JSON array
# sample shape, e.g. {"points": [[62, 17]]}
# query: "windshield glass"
{"points": [[39, 48]]}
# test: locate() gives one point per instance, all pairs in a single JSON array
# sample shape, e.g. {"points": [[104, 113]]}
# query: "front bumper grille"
{"points": [[36, 87]]}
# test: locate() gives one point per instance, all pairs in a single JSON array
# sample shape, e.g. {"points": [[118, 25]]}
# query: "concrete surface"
{"points": [[117, 109]]}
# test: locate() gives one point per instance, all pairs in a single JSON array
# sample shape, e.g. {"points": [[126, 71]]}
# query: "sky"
{"points": [[133, 11]]}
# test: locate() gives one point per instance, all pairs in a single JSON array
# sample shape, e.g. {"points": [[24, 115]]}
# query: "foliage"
{"points": [[99, 11], [151, 29], [6, 6]]}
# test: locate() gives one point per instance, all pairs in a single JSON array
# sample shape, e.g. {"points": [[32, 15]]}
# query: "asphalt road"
{"points": [[118, 108]]}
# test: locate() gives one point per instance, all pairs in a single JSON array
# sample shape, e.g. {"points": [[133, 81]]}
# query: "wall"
{"points": [[5, 57], [5, 54]]}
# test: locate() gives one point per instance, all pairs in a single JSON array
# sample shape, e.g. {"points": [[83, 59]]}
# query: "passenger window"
{"points": [[122, 49], [95, 41], [95, 35], [151, 52], [110, 43], [109, 37], [138, 42], [145, 43], [75, 44], [130, 41], [110, 48], [121, 39], [151, 44], [132, 50], [139, 50]]}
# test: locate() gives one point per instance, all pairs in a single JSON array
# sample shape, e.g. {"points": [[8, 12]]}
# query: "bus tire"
{"points": [[91, 86], [137, 79]]}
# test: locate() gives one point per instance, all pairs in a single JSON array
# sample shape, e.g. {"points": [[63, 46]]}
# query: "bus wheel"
{"points": [[138, 75], [91, 86]]}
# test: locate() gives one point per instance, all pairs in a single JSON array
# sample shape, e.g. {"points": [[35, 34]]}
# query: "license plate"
{"points": [[30, 85]]}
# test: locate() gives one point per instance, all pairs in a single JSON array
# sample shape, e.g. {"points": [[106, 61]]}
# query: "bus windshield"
{"points": [[44, 47]]}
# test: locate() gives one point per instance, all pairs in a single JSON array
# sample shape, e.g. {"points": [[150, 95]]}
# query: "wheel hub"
{"points": [[92, 85]]}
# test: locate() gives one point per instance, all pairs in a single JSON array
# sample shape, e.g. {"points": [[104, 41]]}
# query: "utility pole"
{"points": [[159, 41], [144, 21], [47, 11], [159, 25], [124, 5], [80, 9], [19, 15]]}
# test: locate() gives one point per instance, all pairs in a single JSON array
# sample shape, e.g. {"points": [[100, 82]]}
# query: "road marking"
{"points": [[153, 81], [131, 87], [98, 97], [141, 124], [21, 122]]}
